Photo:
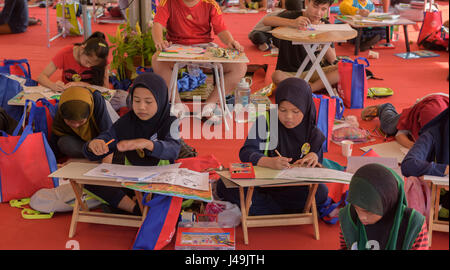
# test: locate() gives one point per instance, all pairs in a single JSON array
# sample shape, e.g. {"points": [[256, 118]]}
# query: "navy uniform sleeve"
{"points": [[167, 148], [251, 150], [101, 115], [418, 160]]}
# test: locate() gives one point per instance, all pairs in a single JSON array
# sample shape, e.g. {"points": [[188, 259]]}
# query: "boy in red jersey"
{"points": [[190, 22]]}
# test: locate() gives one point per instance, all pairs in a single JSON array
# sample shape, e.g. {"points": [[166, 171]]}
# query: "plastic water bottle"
{"points": [[242, 99]]}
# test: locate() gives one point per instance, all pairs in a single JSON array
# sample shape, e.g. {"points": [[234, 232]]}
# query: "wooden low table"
{"points": [[309, 215], [434, 224], [75, 171]]}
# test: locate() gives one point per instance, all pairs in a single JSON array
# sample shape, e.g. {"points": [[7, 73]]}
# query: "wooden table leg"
{"points": [[311, 196], [315, 218], [73, 222], [248, 200], [78, 190], [310, 205], [431, 213], [244, 214]]}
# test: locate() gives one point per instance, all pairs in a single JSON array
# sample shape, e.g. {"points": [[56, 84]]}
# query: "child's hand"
{"points": [[235, 45], [71, 84], [162, 45], [301, 23], [98, 147], [311, 160], [129, 145], [59, 86], [280, 163], [363, 12]]}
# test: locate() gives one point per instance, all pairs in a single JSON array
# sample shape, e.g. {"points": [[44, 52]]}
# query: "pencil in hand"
{"points": [[278, 153], [110, 141]]}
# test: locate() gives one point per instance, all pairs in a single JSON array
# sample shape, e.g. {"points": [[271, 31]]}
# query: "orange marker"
{"points": [[110, 141]]}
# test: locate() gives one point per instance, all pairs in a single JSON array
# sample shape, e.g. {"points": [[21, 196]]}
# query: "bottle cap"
{"points": [[243, 83]]}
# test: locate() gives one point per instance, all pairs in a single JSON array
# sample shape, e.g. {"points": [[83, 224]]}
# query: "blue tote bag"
{"points": [[19, 67], [8, 89]]}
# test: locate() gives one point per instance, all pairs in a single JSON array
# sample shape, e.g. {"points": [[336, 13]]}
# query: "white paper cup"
{"points": [[347, 147]]}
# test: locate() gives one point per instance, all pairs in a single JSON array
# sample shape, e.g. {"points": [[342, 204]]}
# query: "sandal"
{"points": [[369, 113], [180, 111]]}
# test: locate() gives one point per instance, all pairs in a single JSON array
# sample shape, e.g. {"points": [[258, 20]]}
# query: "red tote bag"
{"points": [[432, 23], [352, 86], [25, 163]]}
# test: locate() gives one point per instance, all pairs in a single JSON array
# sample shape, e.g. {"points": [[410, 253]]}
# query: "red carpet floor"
{"points": [[410, 79]]}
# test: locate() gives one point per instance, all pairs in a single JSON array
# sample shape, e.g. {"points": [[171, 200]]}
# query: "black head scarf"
{"points": [[130, 126], [298, 92]]}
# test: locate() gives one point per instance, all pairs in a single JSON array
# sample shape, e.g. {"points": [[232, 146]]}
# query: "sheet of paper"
{"points": [[326, 27], [131, 173], [316, 174], [182, 51], [354, 163], [182, 177], [438, 180], [36, 89], [389, 149]]}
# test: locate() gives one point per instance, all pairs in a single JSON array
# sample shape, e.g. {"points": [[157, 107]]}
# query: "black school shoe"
{"points": [[369, 43]]}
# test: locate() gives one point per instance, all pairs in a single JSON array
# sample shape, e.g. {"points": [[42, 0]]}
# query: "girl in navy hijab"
{"points": [[146, 136], [297, 130]]}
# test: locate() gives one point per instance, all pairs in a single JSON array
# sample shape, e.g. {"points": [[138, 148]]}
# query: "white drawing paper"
{"points": [[315, 174], [130, 173]]}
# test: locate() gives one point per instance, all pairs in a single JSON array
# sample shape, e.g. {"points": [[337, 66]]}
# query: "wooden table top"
{"points": [[295, 35], [356, 22], [206, 58]]}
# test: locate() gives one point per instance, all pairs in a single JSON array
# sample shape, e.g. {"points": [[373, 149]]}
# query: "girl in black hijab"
{"points": [[295, 137], [147, 135]]}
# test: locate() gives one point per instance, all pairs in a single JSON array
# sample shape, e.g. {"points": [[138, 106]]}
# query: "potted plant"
{"points": [[131, 48]]}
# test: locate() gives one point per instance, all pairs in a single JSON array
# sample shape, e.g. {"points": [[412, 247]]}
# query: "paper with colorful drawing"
{"points": [[183, 177]]}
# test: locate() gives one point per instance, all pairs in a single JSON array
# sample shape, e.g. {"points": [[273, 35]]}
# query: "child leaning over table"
{"points": [[82, 64], [363, 8], [145, 136], [296, 130], [290, 57], [191, 22]]}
